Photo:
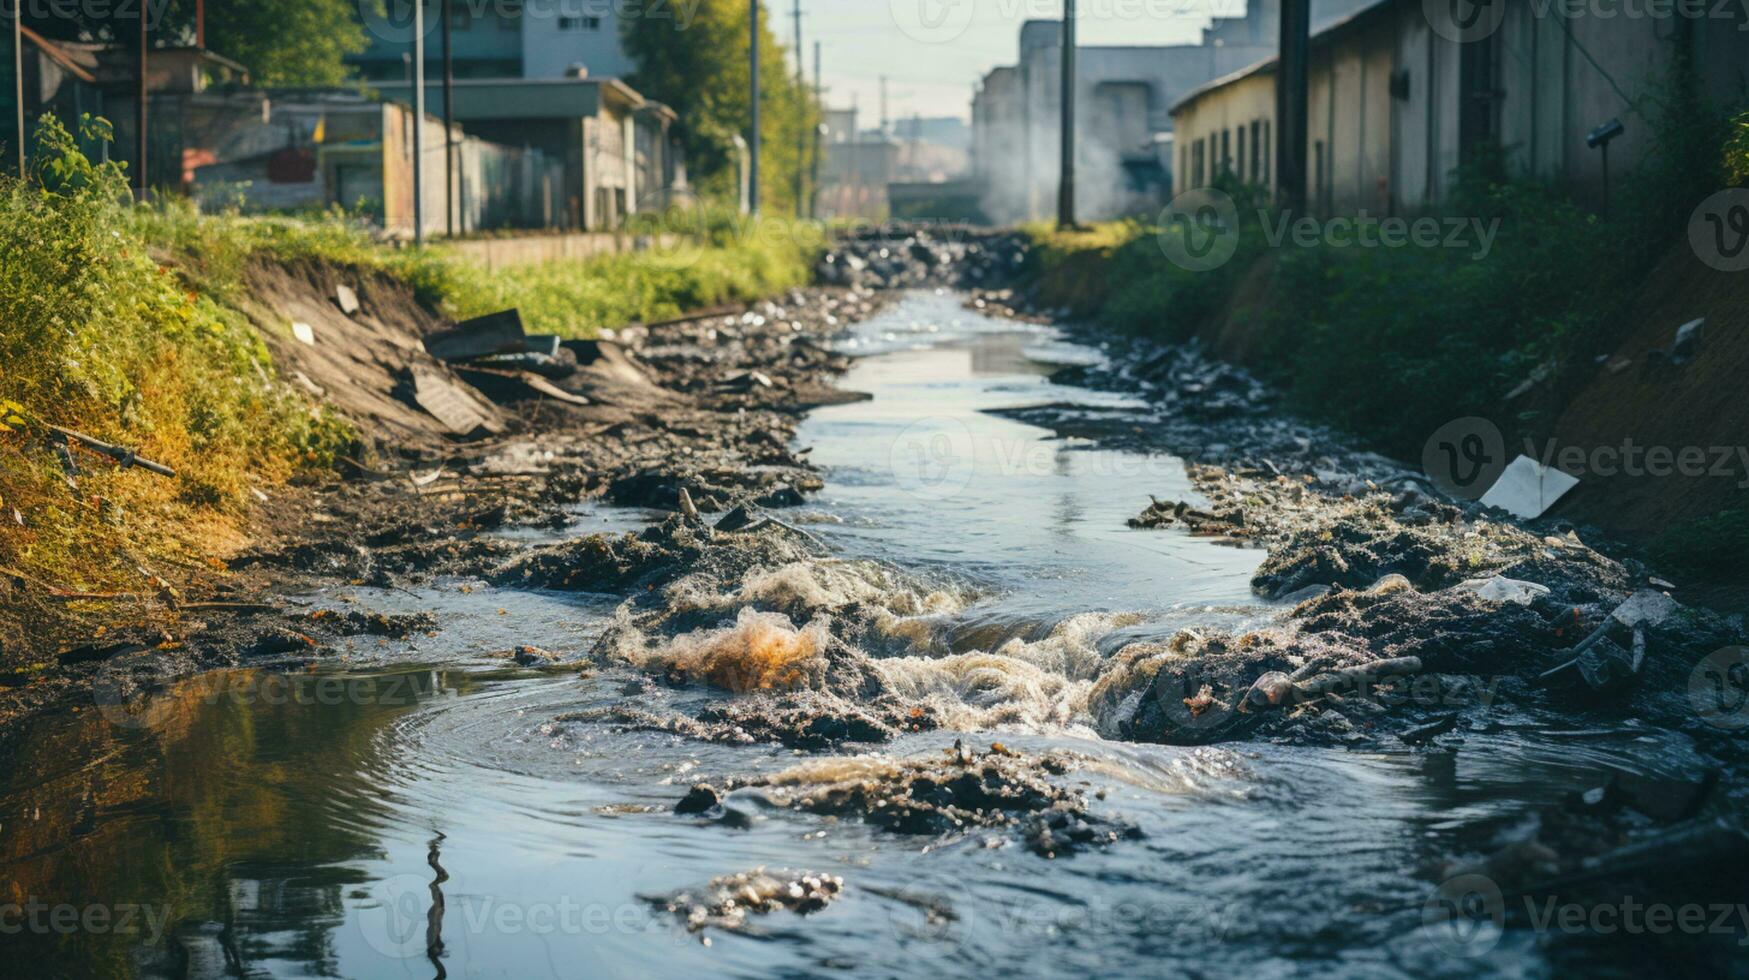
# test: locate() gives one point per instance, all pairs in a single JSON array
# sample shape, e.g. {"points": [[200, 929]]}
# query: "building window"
{"points": [[1225, 163], [1241, 156], [584, 23]]}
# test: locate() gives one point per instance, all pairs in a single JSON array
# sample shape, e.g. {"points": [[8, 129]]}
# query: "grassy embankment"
{"points": [[127, 323], [1390, 343]]}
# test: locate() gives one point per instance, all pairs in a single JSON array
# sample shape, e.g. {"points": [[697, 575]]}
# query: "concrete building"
{"points": [[544, 76], [503, 39], [325, 150], [1124, 96], [616, 147], [1394, 104]]}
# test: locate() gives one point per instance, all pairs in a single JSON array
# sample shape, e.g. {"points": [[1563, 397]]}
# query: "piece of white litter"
{"points": [[1499, 588], [304, 332], [1647, 606], [1528, 488]]}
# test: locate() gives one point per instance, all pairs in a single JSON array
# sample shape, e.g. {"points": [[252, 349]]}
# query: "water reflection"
{"points": [[217, 828]]}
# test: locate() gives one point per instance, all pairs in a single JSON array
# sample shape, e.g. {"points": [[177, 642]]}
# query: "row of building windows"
{"points": [[509, 18], [1242, 152]]}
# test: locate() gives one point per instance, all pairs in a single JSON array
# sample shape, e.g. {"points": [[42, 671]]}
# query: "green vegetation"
{"points": [[700, 69], [1344, 333], [102, 338], [129, 323]]}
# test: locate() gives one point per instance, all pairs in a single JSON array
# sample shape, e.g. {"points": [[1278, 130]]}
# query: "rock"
{"points": [[702, 798], [534, 656], [346, 298], [1687, 342]]}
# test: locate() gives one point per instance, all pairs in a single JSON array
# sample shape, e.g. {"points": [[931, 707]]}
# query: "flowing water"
{"points": [[424, 810]]}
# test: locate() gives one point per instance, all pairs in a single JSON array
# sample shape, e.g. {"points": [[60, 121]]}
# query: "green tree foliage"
{"points": [[283, 43], [700, 68]]}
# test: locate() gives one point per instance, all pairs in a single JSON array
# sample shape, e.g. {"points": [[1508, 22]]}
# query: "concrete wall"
{"points": [[504, 253]]}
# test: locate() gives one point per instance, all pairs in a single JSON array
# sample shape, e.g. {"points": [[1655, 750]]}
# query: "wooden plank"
{"points": [[450, 403], [494, 333]]}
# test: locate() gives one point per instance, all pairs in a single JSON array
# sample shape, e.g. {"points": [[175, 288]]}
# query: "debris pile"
{"points": [[914, 258]]}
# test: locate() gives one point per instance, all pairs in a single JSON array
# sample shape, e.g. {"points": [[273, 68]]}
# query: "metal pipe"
{"points": [[449, 188], [419, 121], [1291, 101], [140, 110], [802, 92], [820, 103], [1066, 187], [753, 142], [18, 76]]}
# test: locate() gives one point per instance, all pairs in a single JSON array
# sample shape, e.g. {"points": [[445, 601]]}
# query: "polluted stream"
{"points": [[434, 809]]}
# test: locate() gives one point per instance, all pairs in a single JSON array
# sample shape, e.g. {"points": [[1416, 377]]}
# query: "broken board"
{"points": [[451, 403], [494, 333]]}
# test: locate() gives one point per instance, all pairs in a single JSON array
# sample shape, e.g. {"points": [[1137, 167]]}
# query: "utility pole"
{"points": [[801, 134], [449, 216], [139, 110], [418, 121], [820, 103], [753, 143], [18, 79], [1066, 189], [1291, 105]]}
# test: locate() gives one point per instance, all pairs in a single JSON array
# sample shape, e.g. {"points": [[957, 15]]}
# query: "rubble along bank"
{"points": [[704, 405], [1541, 339], [1379, 566]]}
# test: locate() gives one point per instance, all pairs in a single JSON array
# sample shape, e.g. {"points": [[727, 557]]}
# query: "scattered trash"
{"points": [[304, 332], [1502, 589], [1421, 734], [348, 300], [1647, 606], [1527, 489]]}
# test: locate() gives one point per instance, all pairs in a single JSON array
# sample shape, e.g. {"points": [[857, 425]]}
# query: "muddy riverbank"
{"points": [[933, 642]]}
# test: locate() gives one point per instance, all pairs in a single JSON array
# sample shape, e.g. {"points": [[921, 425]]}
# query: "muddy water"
{"points": [[426, 810]]}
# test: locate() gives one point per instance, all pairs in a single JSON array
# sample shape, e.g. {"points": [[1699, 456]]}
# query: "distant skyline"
{"points": [[934, 51]]}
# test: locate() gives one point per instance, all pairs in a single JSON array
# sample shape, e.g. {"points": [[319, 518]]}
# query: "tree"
{"points": [[700, 69], [288, 43], [283, 43]]}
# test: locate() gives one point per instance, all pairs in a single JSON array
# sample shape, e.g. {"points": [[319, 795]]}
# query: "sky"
{"points": [[934, 51]]}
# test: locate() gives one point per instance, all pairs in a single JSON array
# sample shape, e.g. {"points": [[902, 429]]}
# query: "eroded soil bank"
{"points": [[1409, 711]]}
